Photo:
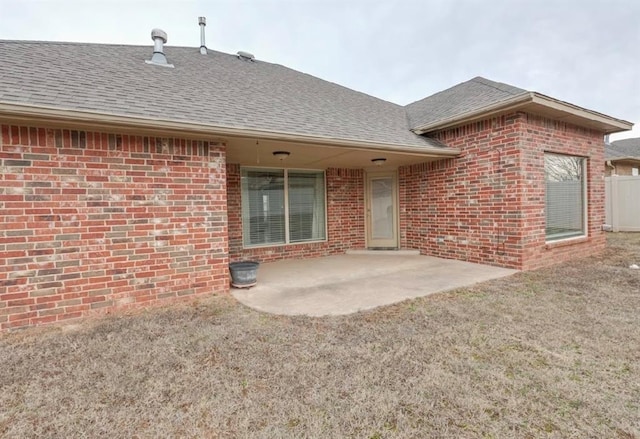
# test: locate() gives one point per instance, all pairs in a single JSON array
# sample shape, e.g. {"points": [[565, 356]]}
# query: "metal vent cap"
{"points": [[159, 33], [158, 58], [245, 56]]}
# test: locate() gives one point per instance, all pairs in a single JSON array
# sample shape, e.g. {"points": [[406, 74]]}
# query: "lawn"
{"points": [[550, 353]]}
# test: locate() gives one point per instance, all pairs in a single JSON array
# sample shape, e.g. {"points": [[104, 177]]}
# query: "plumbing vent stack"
{"points": [[202, 21], [159, 38]]}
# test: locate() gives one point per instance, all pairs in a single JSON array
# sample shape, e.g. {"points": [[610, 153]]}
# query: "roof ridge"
{"points": [[438, 92], [344, 87], [88, 44], [73, 43], [472, 95], [498, 85]]}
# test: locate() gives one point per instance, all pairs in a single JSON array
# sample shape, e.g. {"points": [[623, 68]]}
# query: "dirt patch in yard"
{"points": [[549, 353]]}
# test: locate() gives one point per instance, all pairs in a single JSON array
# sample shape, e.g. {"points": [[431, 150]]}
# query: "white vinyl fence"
{"points": [[622, 198]]}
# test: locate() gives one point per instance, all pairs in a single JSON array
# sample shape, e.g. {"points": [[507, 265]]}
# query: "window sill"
{"points": [[261, 246], [565, 242]]}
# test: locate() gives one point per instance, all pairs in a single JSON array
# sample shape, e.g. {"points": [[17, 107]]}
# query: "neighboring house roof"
{"points": [[220, 93], [628, 149]]}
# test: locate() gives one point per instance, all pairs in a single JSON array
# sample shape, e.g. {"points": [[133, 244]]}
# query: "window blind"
{"points": [[565, 196], [306, 206], [263, 207], [265, 193]]}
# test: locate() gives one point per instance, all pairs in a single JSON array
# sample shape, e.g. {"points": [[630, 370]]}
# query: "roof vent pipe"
{"points": [[159, 38], [202, 21]]}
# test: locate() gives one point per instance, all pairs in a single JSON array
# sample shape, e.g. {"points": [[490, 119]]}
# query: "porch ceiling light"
{"points": [[281, 155], [379, 161]]}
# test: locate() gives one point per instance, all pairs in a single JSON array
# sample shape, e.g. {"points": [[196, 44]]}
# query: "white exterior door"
{"points": [[382, 210]]}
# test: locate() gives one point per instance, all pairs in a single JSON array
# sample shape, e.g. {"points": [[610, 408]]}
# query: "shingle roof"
{"points": [[626, 148], [466, 97], [217, 89], [220, 91]]}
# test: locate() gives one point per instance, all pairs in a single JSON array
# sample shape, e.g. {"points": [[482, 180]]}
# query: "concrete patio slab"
{"points": [[346, 284]]}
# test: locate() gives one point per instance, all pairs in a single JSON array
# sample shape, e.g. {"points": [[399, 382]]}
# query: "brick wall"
{"points": [[488, 205], [540, 135], [466, 208], [91, 222], [345, 219]]}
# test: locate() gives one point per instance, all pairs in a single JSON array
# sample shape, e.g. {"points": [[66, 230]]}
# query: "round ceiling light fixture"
{"points": [[281, 155]]}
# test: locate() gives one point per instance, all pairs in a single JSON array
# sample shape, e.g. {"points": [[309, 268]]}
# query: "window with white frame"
{"points": [[565, 197], [281, 206]]}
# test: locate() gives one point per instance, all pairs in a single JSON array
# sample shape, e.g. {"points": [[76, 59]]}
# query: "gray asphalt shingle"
{"points": [[466, 97], [626, 148], [222, 91], [217, 89]]}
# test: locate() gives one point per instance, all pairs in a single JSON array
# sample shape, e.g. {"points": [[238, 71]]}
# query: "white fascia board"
{"points": [[520, 102]]}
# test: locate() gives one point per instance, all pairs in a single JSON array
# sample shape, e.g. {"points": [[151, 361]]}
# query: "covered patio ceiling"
{"points": [[259, 152]]}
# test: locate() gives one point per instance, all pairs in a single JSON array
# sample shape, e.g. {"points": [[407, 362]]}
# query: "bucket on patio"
{"points": [[243, 274]]}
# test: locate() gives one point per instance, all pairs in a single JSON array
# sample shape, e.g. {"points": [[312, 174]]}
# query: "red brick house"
{"points": [[127, 181]]}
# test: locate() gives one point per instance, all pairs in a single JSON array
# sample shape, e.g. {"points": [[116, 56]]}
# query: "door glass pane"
{"points": [[382, 208]]}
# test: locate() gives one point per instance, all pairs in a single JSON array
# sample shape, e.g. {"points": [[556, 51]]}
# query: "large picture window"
{"points": [[282, 206], [565, 196]]}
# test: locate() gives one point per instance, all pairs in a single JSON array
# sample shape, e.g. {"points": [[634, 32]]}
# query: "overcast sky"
{"points": [[586, 52]]}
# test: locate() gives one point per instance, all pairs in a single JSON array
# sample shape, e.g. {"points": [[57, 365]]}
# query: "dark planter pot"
{"points": [[243, 274]]}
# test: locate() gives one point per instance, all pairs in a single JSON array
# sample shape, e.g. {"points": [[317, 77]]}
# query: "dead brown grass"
{"points": [[551, 353]]}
